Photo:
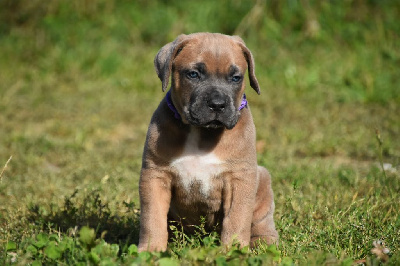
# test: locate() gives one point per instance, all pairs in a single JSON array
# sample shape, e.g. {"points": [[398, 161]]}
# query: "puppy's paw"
{"points": [[272, 238], [154, 246]]}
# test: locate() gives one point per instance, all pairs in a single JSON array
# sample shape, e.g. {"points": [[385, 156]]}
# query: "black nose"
{"points": [[216, 101]]}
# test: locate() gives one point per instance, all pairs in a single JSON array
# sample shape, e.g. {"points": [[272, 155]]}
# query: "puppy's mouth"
{"points": [[214, 124]]}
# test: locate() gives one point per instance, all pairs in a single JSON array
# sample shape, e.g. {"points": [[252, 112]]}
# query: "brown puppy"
{"points": [[199, 157]]}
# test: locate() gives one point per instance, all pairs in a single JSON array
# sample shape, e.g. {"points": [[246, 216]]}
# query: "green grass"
{"points": [[78, 89]]}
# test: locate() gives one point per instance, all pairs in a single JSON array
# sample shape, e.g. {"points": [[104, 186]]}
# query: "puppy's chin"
{"points": [[213, 124], [211, 120]]}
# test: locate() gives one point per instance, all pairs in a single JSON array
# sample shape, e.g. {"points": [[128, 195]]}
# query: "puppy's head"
{"points": [[208, 71]]}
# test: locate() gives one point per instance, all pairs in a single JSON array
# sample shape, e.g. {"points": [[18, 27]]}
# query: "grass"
{"points": [[78, 88]]}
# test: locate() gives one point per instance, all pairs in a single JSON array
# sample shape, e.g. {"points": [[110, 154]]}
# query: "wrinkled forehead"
{"points": [[218, 54]]}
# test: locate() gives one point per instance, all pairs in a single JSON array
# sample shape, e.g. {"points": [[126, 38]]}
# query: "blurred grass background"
{"points": [[77, 90]]}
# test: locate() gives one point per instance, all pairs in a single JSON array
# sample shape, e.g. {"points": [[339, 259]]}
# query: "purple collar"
{"points": [[243, 104], [171, 106]]}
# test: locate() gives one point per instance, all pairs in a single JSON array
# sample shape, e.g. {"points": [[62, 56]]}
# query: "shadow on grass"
{"points": [[89, 210]]}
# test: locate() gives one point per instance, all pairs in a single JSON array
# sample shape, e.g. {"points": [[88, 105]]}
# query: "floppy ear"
{"points": [[164, 58], [250, 63]]}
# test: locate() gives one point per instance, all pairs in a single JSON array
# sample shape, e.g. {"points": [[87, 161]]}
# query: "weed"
{"points": [[4, 168], [380, 151]]}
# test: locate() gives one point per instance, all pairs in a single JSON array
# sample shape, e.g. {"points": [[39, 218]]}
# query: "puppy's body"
{"points": [[204, 163]]}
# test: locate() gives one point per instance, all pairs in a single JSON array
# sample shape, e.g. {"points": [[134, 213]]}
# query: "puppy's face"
{"points": [[207, 81], [208, 71]]}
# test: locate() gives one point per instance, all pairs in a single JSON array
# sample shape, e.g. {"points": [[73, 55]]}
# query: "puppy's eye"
{"points": [[193, 75], [236, 78]]}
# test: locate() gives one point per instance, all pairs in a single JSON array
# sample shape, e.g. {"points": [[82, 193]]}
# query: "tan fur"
{"points": [[188, 171]]}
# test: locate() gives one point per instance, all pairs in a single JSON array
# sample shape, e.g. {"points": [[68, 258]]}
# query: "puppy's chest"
{"points": [[197, 171]]}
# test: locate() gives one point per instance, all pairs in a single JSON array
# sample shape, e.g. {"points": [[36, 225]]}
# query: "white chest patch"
{"points": [[196, 166]]}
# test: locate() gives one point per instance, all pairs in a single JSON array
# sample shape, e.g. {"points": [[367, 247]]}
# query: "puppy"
{"points": [[199, 158]]}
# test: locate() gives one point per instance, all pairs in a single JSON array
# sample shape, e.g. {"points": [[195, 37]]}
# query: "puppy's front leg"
{"points": [[239, 200], [155, 198]]}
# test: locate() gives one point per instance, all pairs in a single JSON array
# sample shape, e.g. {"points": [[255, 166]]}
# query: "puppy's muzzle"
{"points": [[212, 109]]}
